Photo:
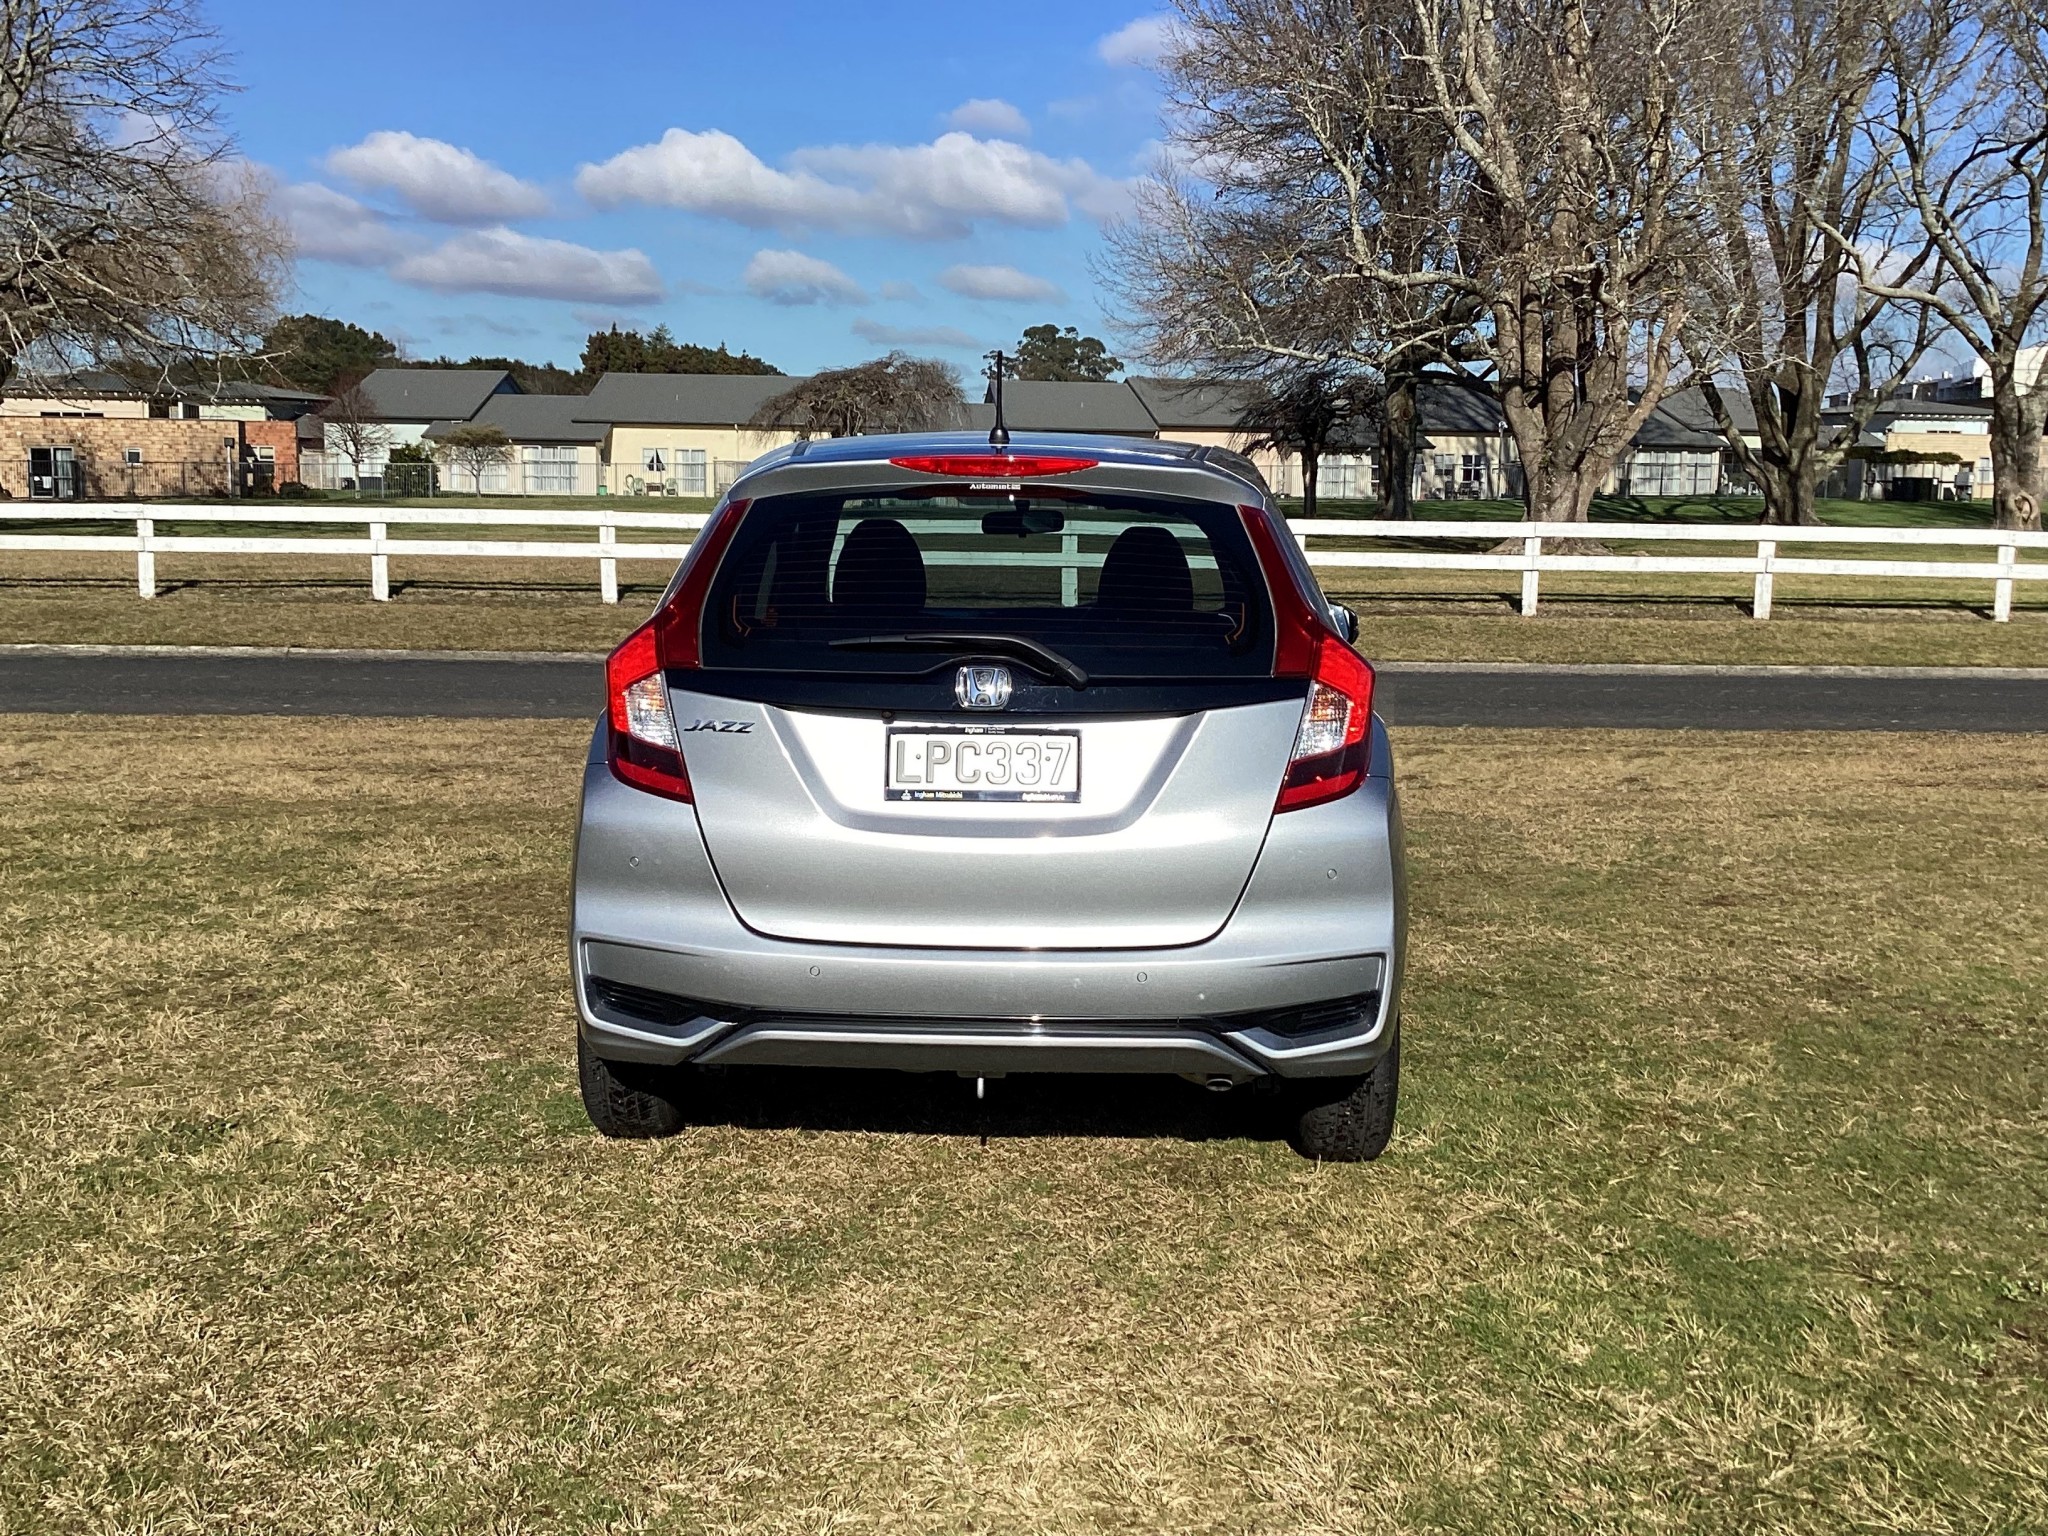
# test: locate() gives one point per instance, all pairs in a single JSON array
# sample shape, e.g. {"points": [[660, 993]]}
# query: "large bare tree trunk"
{"points": [[1311, 465], [1397, 450], [2016, 423]]}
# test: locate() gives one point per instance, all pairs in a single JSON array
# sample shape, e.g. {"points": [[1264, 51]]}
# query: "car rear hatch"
{"points": [[991, 714]]}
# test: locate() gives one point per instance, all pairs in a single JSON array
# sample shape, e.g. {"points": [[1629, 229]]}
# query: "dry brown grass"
{"points": [[1718, 1202]]}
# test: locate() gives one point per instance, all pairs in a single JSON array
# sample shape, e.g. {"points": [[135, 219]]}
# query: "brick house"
{"points": [[119, 458]]}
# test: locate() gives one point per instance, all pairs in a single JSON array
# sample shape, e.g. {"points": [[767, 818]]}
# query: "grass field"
{"points": [[1720, 1200]]}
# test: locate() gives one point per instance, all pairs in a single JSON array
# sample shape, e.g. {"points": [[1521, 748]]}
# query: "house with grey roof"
{"points": [[681, 434], [402, 403], [551, 452], [405, 399]]}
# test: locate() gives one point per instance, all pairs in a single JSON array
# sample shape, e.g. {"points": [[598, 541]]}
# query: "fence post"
{"points": [[380, 566], [1070, 573], [145, 556], [1532, 550], [2001, 591], [1766, 556], [608, 567]]}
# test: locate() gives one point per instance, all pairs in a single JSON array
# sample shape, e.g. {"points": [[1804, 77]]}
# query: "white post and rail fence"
{"points": [[1766, 553]]}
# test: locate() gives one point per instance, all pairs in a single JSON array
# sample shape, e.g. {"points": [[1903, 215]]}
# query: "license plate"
{"points": [[984, 764]]}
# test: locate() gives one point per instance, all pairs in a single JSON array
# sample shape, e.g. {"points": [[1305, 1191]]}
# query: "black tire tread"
{"points": [[623, 1100], [1348, 1119]]}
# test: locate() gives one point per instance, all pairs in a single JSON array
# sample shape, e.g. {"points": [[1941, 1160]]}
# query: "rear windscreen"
{"points": [[1122, 586]]}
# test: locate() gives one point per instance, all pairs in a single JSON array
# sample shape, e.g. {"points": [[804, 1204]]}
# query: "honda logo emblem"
{"points": [[982, 687]]}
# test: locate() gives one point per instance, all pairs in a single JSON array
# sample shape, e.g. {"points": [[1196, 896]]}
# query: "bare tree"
{"points": [[1305, 235], [1963, 124], [352, 428], [127, 230], [1303, 411], [896, 393], [1780, 117], [1503, 182], [1576, 232], [475, 448]]}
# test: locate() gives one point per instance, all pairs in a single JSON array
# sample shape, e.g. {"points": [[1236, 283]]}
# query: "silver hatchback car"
{"points": [[941, 758]]}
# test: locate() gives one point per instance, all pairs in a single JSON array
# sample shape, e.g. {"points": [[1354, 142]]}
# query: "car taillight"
{"points": [[1330, 749], [992, 466], [1330, 746], [645, 751]]}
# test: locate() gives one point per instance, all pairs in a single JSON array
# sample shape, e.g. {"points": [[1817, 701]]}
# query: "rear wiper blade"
{"points": [[1043, 656]]}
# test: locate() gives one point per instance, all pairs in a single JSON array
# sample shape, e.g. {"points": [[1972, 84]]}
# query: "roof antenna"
{"points": [[999, 434]]}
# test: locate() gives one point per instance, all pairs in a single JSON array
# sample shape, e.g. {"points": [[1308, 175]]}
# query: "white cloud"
{"points": [[900, 292], [912, 335], [715, 173], [989, 115], [938, 190], [437, 180], [791, 277], [527, 267], [997, 283], [327, 225], [1137, 43]]}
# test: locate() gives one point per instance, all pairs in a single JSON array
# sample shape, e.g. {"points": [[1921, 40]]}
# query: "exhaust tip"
{"points": [[1219, 1083]]}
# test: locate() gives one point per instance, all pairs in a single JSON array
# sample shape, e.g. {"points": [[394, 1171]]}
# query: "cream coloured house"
{"points": [[681, 434]]}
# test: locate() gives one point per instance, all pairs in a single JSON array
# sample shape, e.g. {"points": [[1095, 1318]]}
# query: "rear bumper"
{"points": [[665, 972], [631, 1024]]}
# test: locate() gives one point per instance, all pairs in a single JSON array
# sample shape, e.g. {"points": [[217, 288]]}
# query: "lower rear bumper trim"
{"points": [[980, 1050]]}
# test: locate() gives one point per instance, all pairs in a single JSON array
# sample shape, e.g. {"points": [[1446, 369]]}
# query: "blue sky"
{"points": [[813, 183]]}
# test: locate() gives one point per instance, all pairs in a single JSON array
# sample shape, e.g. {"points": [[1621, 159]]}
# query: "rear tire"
{"points": [[626, 1099], [1346, 1119]]}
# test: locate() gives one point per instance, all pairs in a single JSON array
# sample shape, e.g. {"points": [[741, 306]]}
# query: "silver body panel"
{"points": [[810, 921], [1156, 853]]}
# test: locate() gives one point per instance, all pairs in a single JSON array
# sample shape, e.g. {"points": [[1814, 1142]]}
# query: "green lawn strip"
{"points": [[1717, 1202]]}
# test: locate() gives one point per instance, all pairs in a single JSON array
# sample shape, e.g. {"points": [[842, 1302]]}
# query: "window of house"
{"points": [[131, 455], [550, 470], [1344, 476], [692, 472]]}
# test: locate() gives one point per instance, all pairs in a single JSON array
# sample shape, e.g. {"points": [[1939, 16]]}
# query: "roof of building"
{"points": [[1688, 407], [250, 392], [1454, 407], [1041, 406], [532, 419], [92, 381], [1926, 410], [681, 399], [1666, 428], [433, 394], [1194, 404]]}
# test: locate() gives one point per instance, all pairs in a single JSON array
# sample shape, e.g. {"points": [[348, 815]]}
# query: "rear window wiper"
{"points": [[1041, 656]]}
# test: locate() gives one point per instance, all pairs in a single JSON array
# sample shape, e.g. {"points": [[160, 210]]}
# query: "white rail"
{"points": [[1763, 560], [1764, 565]]}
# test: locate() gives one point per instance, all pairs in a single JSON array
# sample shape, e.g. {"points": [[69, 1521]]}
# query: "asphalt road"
{"points": [[182, 682]]}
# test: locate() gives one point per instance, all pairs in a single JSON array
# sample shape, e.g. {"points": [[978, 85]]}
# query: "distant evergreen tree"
{"points": [[617, 351], [316, 353], [532, 378], [1049, 354]]}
